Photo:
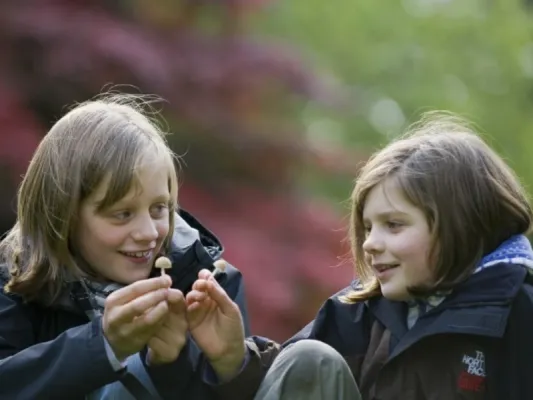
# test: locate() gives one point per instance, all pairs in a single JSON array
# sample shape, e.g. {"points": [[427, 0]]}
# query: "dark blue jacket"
{"points": [[477, 344], [57, 353]]}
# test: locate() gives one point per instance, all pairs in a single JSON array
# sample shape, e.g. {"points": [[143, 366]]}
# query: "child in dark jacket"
{"points": [[443, 304], [83, 313]]}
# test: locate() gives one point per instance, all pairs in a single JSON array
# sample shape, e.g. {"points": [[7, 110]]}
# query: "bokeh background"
{"points": [[273, 105]]}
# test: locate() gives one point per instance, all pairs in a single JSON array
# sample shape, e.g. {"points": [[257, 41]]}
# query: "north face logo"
{"points": [[472, 378]]}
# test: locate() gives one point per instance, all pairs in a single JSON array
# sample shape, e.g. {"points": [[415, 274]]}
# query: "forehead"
{"points": [[150, 180], [387, 198]]}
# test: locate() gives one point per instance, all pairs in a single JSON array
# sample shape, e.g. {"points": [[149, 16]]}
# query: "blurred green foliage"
{"points": [[398, 59]]}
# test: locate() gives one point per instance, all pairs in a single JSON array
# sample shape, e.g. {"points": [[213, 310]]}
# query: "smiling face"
{"points": [[120, 242], [398, 240]]}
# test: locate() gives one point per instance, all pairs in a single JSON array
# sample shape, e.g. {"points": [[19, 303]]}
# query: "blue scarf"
{"points": [[515, 250]]}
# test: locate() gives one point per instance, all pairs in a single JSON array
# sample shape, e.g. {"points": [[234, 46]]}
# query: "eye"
{"points": [[122, 215], [393, 225], [367, 229], [159, 210]]}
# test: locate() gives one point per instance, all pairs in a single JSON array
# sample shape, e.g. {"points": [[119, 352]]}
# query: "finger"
{"points": [[140, 305], [221, 265], [150, 320], [220, 297], [200, 284], [204, 274], [196, 296], [177, 325], [143, 327], [173, 329], [197, 313], [193, 309], [161, 351], [158, 345], [176, 301], [137, 289], [174, 295], [204, 306]]}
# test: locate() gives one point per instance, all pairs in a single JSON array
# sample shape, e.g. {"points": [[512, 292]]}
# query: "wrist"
{"points": [[117, 363], [120, 356], [110, 350], [230, 365]]}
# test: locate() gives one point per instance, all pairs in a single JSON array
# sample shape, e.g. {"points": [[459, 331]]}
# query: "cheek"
{"points": [[111, 236], [414, 255], [414, 247], [418, 257], [163, 227]]}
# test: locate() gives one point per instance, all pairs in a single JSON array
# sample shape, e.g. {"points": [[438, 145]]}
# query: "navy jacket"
{"points": [[57, 353], [477, 344]]}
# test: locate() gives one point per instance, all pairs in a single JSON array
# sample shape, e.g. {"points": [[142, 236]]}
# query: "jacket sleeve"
{"points": [[261, 354], [72, 365], [183, 375], [509, 367], [117, 390]]}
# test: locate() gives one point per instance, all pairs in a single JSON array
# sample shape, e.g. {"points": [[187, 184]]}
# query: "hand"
{"points": [[215, 323], [132, 315], [166, 344]]}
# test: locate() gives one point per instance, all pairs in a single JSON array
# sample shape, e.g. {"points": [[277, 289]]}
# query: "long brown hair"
{"points": [[471, 198], [105, 138]]}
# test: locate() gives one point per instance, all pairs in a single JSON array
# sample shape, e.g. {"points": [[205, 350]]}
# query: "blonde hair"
{"points": [[106, 138], [471, 198]]}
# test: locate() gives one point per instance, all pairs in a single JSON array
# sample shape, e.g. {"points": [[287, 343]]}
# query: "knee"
{"points": [[309, 369], [309, 356]]}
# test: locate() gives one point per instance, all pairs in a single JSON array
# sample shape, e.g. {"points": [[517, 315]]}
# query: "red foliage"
{"points": [[228, 100], [288, 250]]}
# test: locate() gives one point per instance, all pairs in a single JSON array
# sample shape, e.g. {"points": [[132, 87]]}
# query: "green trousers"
{"points": [[309, 370]]}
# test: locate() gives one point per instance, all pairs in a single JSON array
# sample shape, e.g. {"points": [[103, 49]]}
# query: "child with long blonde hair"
{"points": [[83, 312]]}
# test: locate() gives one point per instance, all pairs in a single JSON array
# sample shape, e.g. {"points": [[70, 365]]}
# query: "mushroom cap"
{"points": [[220, 264], [163, 263]]}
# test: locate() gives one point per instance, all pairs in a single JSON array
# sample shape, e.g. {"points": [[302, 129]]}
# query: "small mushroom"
{"points": [[163, 263], [220, 266]]}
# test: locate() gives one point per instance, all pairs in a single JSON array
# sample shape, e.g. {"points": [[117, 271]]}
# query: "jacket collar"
{"points": [[479, 306], [193, 247]]}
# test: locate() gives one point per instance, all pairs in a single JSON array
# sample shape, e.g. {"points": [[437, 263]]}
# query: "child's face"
{"points": [[398, 240], [120, 243]]}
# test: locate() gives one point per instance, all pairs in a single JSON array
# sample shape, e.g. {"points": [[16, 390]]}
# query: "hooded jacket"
{"points": [[475, 344], [56, 352]]}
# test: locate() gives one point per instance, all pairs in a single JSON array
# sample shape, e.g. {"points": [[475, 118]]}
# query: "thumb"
{"points": [[176, 301]]}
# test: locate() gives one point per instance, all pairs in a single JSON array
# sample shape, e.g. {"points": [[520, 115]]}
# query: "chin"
{"points": [[133, 277], [394, 293]]}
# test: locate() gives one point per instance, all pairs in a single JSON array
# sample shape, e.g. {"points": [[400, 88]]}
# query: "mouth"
{"points": [[138, 254], [380, 268]]}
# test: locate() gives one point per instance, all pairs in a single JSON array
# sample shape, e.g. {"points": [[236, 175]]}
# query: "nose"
{"points": [[145, 229], [373, 243]]}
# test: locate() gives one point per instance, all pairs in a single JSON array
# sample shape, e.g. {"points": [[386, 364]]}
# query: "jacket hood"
{"points": [[189, 232], [193, 247]]}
